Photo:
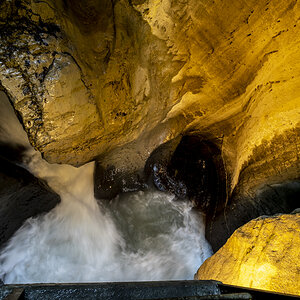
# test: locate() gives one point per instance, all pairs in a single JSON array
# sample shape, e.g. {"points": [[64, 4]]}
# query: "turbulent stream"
{"points": [[137, 236]]}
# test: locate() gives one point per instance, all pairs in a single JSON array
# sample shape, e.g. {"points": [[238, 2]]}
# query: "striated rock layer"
{"points": [[88, 78], [113, 80], [262, 254]]}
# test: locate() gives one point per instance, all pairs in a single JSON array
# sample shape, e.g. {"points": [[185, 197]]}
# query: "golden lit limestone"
{"points": [[240, 81], [91, 78], [262, 254]]}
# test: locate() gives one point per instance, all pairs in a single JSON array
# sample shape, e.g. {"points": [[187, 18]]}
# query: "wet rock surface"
{"points": [[21, 196], [122, 81], [269, 200], [110, 182], [262, 254], [168, 183]]}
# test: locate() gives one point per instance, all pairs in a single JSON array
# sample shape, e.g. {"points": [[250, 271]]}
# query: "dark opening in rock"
{"points": [[268, 200], [192, 169]]}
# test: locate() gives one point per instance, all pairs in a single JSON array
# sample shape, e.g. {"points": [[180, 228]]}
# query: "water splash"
{"points": [[137, 236], [11, 130]]}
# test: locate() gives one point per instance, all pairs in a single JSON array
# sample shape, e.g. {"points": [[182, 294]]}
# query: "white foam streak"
{"points": [[137, 236], [68, 243], [11, 130]]}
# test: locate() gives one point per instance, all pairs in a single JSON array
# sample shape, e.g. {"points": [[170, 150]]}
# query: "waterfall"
{"points": [[145, 235]]}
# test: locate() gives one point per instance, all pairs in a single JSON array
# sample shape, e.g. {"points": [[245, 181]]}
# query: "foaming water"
{"points": [[11, 130], [137, 236]]}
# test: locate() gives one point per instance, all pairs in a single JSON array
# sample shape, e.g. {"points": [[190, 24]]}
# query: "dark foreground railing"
{"points": [[167, 290]]}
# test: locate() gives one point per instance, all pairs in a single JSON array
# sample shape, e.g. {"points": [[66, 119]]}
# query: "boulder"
{"points": [[262, 254], [21, 196], [110, 181]]}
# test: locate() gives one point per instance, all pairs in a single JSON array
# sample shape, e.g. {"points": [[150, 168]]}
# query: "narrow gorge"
{"points": [[150, 140]]}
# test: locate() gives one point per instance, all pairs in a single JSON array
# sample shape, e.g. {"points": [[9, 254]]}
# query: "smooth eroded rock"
{"points": [[267, 200], [21, 196], [90, 78], [262, 254]]}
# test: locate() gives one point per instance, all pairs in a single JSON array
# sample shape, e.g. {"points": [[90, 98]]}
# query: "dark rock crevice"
{"points": [[21, 194], [190, 168], [268, 200]]}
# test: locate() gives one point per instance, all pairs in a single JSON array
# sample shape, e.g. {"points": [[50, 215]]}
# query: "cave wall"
{"points": [[263, 254], [101, 77], [21, 196], [114, 80]]}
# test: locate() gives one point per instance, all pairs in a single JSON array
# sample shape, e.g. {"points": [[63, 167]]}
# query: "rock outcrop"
{"points": [[93, 77], [262, 254], [268, 200], [113, 80], [21, 196]]}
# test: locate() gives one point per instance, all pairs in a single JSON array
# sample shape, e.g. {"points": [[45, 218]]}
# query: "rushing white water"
{"points": [[137, 236], [11, 130]]}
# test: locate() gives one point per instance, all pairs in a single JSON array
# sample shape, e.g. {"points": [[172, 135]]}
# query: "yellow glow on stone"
{"points": [[257, 276], [263, 254]]}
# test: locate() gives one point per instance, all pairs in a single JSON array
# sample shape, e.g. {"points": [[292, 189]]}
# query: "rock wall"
{"points": [[114, 80], [269, 200], [262, 254], [21, 196], [92, 78]]}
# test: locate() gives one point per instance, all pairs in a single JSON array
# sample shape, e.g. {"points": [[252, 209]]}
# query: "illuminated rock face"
{"points": [[262, 254], [85, 78], [114, 80]]}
